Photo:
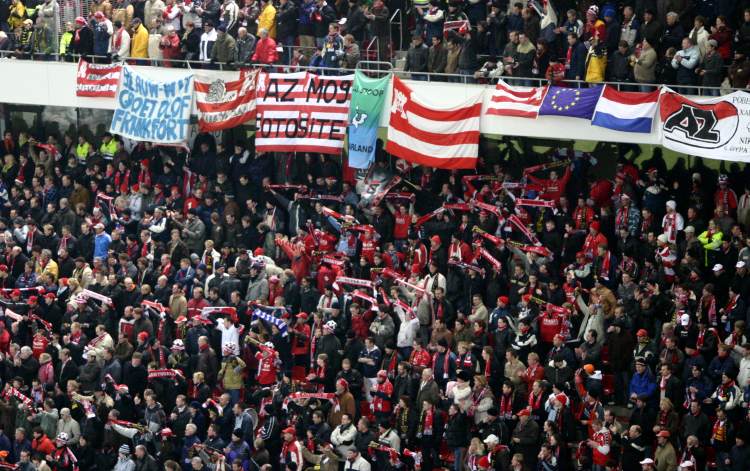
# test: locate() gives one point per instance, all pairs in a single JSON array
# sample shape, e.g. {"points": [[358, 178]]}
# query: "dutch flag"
{"points": [[626, 111]]}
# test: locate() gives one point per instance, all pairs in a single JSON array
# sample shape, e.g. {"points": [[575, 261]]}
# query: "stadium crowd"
{"points": [[232, 310], [681, 43]]}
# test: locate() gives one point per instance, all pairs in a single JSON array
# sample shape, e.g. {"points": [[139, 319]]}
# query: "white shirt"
{"points": [[229, 334]]}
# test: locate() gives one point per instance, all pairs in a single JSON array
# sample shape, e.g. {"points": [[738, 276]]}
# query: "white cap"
{"points": [[269, 344], [690, 229], [740, 264], [671, 204], [718, 267], [685, 319], [687, 465], [696, 176], [647, 461], [331, 325], [662, 238], [491, 438]]}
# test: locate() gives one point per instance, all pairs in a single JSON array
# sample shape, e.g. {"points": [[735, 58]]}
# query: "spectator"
{"points": [[711, 70], [699, 35], [723, 36], [225, 49], [139, 42], [190, 42], [437, 57], [170, 46], [417, 58], [208, 38], [434, 19], [618, 67], [152, 10], [685, 62], [286, 27], [644, 68], [49, 13], [629, 26], [323, 16], [523, 59], [267, 18], [651, 29], [575, 63], [333, 48], [245, 45], [265, 49], [673, 32], [120, 46], [351, 53], [230, 17], [739, 70], [83, 39]]}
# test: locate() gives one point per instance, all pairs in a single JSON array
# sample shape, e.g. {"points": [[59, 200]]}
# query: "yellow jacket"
{"points": [[139, 43], [267, 20], [17, 15]]}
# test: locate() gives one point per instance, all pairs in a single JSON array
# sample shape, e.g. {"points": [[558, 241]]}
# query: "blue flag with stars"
{"points": [[571, 102]]}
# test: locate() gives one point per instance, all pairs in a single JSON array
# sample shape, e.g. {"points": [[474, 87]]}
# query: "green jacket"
{"points": [[710, 243], [224, 49], [65, 41]]}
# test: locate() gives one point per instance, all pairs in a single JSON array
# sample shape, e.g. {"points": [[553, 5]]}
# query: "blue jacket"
{"points": [[101, 38], [101, 245], [643, 384], [577, 66]]}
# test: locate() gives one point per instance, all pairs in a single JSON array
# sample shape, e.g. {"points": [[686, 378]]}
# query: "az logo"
{"points": [[707, 126]]}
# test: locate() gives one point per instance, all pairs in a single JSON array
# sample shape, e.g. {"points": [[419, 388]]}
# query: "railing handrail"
{"points": [[430, 76]]}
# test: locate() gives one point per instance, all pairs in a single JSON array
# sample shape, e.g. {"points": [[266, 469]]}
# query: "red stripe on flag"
{"points": [[457, 163]]}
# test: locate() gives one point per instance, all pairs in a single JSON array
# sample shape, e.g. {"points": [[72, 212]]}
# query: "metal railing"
{"points": [[422, 76]]}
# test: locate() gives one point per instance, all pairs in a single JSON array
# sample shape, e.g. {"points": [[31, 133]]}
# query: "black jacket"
{"points": [[457, 430]]}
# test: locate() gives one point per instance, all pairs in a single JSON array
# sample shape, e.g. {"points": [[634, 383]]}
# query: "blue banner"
{"points": [[152, 111]]}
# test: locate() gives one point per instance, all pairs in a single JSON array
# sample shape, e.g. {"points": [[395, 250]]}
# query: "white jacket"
{"points": [[343, 440]]}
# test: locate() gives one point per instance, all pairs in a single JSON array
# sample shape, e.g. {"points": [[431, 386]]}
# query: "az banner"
{"points": [[714, 128]]}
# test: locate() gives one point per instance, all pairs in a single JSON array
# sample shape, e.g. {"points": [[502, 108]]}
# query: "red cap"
{"points": [[562, 398], [523, 413], [526, 298], [4, 268], [383, 373], [16, 292], [258, 252], [595, 225], [415, 269], [301, 315], [580, 254], [435, 239], [143, 336], [50, 296], [503, 299], [180, 320], [136, 187], [343, 383], [290, 431], [98, 15], [33, 299], [559, 336], [642, 333], [81, 20], [664, 433]]}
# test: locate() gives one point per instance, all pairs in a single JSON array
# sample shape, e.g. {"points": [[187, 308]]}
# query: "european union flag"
{"points": [[572, 102]]}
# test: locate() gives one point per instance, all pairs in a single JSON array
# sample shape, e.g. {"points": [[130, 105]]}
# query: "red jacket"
{"points": [[43, 445], [265, 51]]}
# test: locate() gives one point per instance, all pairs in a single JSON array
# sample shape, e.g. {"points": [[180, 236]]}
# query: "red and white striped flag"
{"points": [[441, 138], [223, 105], [97, 80], [512, 101]]}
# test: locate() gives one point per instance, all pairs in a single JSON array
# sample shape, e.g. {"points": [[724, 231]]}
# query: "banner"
{"points": [[715, 128], [368, 99], [97, 80], [302, 112], [152, 111], [224, 105]]}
